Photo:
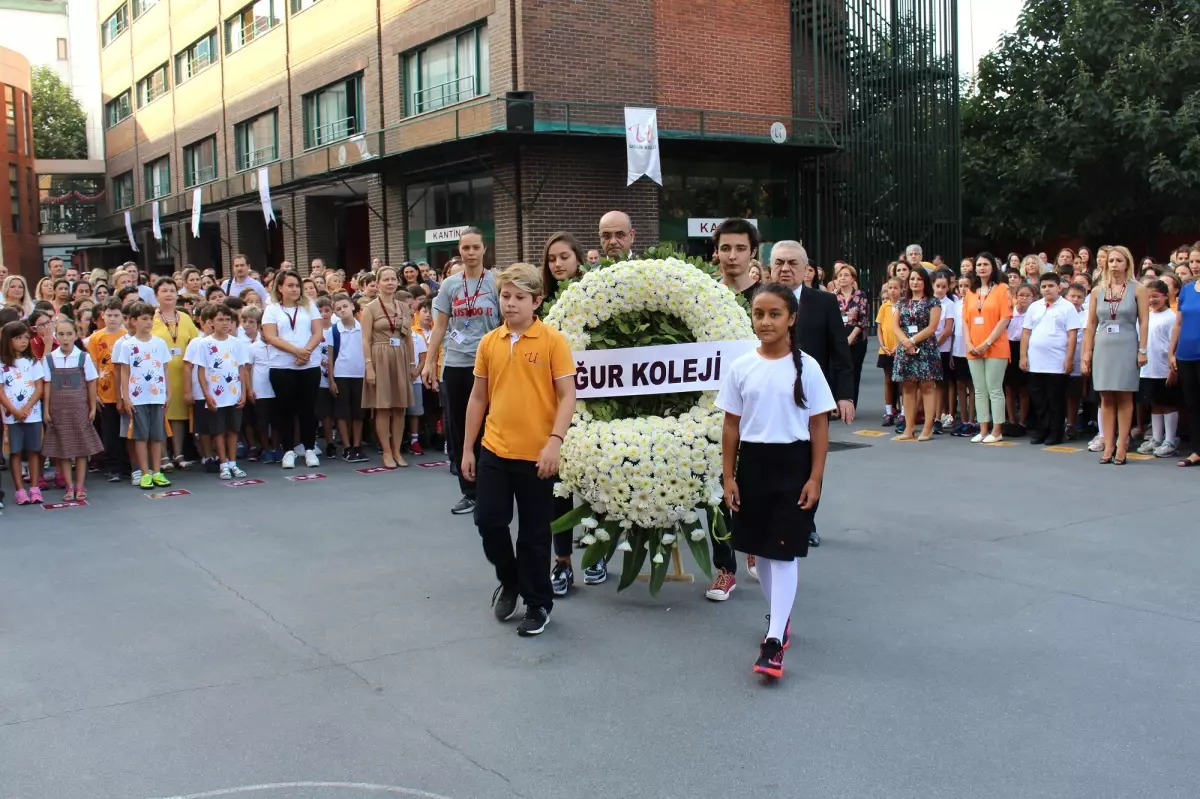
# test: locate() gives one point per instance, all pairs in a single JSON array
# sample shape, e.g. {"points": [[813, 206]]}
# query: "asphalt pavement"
{"points": [[979, 622]]}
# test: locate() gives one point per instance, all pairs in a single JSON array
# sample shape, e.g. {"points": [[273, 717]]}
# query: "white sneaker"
{"points": [[311, 460], [226, 473], [947, 420], [1148, 446], [289, 460], [989, 439], [1096, 444], [237, 472], [136, 478], [1166, 450], [975, 439]]}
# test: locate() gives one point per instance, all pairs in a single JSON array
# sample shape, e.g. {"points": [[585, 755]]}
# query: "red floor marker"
{"points": [[253, 481], [79, 503], [304, 478], [433, 464]]}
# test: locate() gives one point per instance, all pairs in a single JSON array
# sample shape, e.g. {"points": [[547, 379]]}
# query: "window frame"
{"points": [[109, 121], [242, 154], [188, 57], [412, 63], [193, 177], [354, 102], [273, 21], [148, 178], [121, 15], [142, 6], [61, 45], [117, 182], [145, 83], [297, 6]]}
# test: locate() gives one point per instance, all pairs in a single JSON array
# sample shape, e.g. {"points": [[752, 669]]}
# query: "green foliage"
{"points": [[59, 122], [1086, 121]]}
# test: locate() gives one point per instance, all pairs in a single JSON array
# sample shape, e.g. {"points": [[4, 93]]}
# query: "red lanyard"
{"points": [[469, 298], [1114, 303], [291, 319], [388, 316]]}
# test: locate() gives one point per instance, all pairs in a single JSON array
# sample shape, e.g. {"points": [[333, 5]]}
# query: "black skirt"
{"points": [[771, 524], [1155, 391]]}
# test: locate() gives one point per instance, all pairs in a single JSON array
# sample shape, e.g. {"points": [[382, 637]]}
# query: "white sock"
{"points": [[1156, 426], [784, 575], [764, 577], [889, 409], [1171, 423], [1100, 424]]}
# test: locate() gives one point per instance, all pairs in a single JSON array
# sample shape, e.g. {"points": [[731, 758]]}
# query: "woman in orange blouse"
{"points": [[986, 311]]}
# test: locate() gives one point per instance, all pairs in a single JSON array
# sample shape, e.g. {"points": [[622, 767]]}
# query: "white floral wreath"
{"points": [[649, 472]]}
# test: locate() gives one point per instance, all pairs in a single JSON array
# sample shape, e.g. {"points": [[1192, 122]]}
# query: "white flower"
{"points": [[602, 535], [590, 523], [698, 534], [658, 558], [588, 540], [624, 546], [668, 538]]}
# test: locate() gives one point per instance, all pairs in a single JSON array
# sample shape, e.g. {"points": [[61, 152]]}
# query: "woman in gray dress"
{"points": [[1114, 348]]}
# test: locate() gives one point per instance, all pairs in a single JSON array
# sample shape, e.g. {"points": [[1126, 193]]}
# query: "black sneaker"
{"points": [[212, 466], [358, 456], [348, 454], [504, 602], [464, 506], [562, 577], [787, 631], [814, 540], [594, 575], [770, 658], [115, 477], [534, 623], [330, 449]]}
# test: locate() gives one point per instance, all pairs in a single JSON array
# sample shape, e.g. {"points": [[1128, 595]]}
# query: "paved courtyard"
{"points": [[999, 623]]}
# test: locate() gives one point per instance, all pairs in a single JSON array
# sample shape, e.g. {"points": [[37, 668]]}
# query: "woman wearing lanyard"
{"points": [[466, 309], [856, 313], [174, 327], [387, 351], [292, 327], [1114, 348], [986, 311], [1185, 355]]}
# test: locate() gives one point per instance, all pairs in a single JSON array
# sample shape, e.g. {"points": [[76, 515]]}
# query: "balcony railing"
{"points": [[444, 94], [256, 158], [204, 174], [240, 37], [156, 191], [332, 131], [194, 66]]}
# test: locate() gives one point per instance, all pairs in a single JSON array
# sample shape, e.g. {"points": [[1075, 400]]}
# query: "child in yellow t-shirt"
{"points": [[886, 331]]}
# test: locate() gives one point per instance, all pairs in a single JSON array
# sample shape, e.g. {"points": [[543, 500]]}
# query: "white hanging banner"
{"points": [[129, 232], [155, 225], [264, 196], [196, 197], [641, 144]]}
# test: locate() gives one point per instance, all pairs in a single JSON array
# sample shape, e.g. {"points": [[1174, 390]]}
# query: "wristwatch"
{"points": [[1141, 350]]}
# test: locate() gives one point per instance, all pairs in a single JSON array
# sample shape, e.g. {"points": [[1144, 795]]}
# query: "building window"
{"points": [[445, 203], [117, 109], [69, 203], [10, 118], [28, 115], [300, 5], [14, 193], [333, 113], [448, 71], [200, 162], [197, 58], [153, 86], [158, 178], [114, 26], [248, 24], [122, 191], [256, 141], [62, 49], [142, 6]]}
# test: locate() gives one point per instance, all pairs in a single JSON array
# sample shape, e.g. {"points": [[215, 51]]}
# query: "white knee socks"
{"points": [[1156, 427], [779, 579], [1171, 425]]}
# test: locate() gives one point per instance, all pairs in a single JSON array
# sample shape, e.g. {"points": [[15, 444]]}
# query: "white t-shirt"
{"points": [[1049, 330], [293, 325], [147, 369], [760, 390], [959, 346], [1077, 369], [1016, 325], [20, 381], [419, 348], [947, 318], [70, 362], [1158, 344], [260, 377], [194, 355], [324, 350], [350, 361], [222, 362]]}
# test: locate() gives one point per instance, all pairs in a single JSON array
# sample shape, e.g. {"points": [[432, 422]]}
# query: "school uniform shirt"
{"points": [[350, 361], [20, 382], [419, 348], [1081, 317], [195, 356], [70, 362], [325, 351], [760, 391], [884, 324], [947, 318], [222, 362], [473, 305], [293, 325], [101, 345], [260, 375], [1050, 327], [1158, 344], [147, 369], [521, 371], [1016, 324], [959, 346]]}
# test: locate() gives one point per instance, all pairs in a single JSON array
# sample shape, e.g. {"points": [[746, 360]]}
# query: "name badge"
{"points": [[978, 320], [396, 342], [176, 352], [1112, 327], [845, 319], [456, 336], [912, 329]]}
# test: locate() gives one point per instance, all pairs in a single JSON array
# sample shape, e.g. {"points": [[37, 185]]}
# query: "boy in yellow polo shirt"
{"points": [[525, 384]]}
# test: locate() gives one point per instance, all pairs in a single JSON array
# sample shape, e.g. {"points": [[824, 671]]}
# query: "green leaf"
{"points": [[633, 560], [720, 532], [573, 517], [658, 573], [594, 552], [701, 554]]}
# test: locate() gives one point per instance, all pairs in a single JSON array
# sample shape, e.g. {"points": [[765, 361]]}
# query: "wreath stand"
{"points": [[676, 575]]}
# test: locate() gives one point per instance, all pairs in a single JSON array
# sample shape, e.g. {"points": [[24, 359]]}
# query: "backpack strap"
{"points": [[79, 365]]}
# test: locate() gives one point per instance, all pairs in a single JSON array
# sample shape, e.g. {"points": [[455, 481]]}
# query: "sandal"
{"points": [[1106, 460], [81, 495], [69, 495], [1187, 463], [1119, 461]]}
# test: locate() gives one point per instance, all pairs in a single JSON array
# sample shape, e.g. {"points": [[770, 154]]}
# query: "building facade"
{"points": [[19, 252], [384, 126]]}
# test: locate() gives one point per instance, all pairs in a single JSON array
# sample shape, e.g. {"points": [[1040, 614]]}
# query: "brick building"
{"points": [[386, 125], [19, 251]]}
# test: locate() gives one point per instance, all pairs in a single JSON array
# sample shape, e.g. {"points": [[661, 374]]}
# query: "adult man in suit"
{"points": [[820, 330]]}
